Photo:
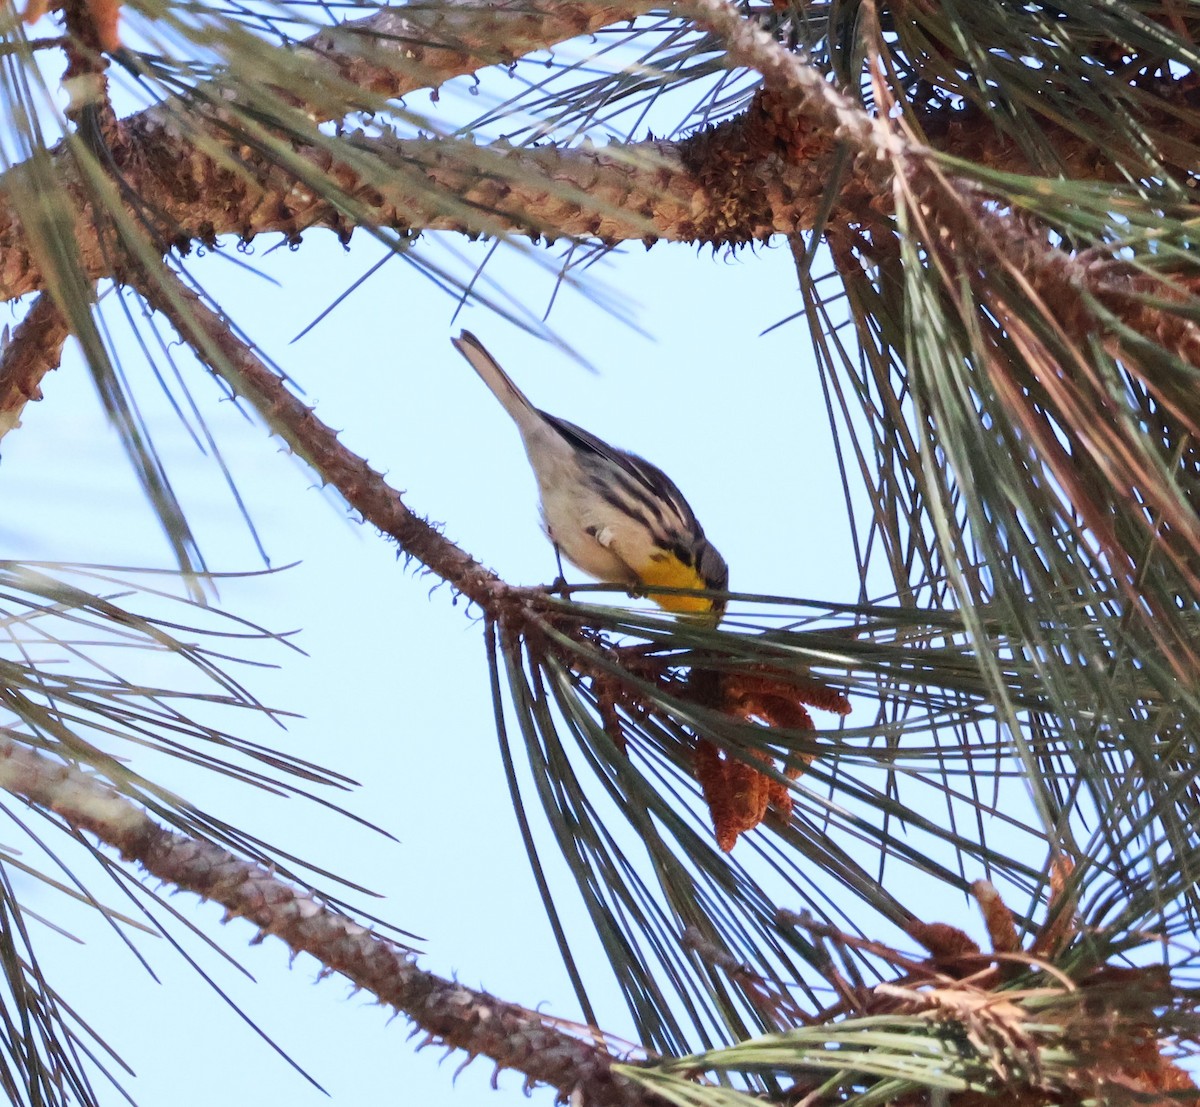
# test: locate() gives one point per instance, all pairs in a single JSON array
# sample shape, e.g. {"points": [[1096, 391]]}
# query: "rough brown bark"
{"points": [[513, 1037], [34, 348], [644, 191], [400, 50]]}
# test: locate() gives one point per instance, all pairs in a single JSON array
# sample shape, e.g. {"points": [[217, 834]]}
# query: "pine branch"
{"points": [[1106, 463], [462, 1018], [1072, 284], [724, 186], [34, 348], [740, 182], [637, 191]]}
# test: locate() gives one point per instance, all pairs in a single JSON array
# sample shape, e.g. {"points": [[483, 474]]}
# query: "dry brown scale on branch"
{"points": [[1063, 1036], [1087, 1035], [737, 793], [103, 15], [1107, 1019], [739, 789]]}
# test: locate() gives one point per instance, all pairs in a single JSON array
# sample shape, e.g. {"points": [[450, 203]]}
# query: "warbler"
{"points": [[608, 512]]}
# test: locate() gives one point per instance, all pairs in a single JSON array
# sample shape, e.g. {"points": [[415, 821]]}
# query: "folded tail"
{"points": [[523, 413]]}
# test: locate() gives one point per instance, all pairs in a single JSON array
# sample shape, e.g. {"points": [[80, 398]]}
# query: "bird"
{"points": [[610, 513]]}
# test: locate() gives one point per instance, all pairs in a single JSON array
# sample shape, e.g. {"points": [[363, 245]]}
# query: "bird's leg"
{"points": [[560, 582]]}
